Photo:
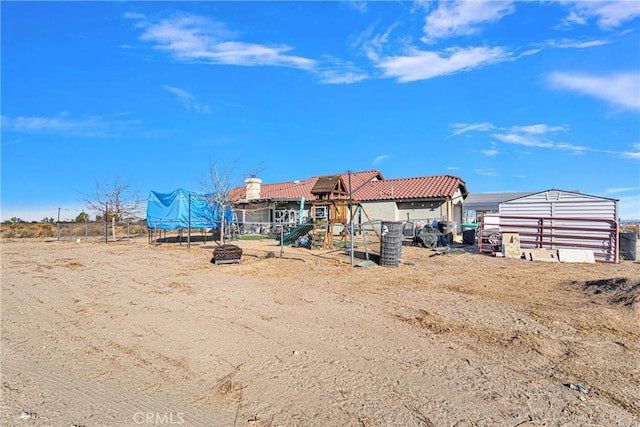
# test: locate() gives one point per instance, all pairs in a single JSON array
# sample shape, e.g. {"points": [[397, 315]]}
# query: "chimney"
{"points": [[253, 188]]}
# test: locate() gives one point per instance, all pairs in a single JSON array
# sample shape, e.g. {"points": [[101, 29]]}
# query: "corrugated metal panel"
{"points": [[563, 220], [597, 235], [558, 203]]}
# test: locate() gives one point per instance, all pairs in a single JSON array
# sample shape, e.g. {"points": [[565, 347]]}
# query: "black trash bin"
{"points": [[628, 245], [469, 236]]}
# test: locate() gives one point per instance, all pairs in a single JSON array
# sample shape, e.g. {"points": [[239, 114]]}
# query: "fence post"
{"points": [[106, 220], [351, 235], [58, 225], [281, 240], [189, 226]]}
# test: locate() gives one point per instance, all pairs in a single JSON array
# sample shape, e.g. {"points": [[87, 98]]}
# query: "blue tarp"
{"points": [[171, 211]]}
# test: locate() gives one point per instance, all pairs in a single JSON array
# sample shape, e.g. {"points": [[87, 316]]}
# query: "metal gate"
{"points": [[595, 234]]}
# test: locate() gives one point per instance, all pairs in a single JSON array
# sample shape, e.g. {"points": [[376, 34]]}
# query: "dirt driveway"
{"points": [[136, 334]]}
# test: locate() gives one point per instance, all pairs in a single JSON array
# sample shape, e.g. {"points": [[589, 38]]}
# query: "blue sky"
{"points": [[509, 96]]}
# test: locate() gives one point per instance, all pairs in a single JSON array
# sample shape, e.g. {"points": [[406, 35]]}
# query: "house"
{"points": [[478, 204], [424, 199], [258, 205]]}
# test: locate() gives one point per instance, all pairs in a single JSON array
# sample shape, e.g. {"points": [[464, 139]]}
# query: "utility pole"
{"points": [[58, 225], [106, 222], [350, 222], [189, 225]]}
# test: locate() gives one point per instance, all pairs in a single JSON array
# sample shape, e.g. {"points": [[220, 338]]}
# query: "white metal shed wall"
{"points": [[558, 203], [564, 220]]}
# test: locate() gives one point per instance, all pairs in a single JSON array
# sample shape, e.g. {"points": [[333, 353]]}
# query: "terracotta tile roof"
{"points": [[365, 188], [423, 187], [297, 189]]}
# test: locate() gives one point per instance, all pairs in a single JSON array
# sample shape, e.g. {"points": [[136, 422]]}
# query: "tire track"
{"points": [[86, 397]]}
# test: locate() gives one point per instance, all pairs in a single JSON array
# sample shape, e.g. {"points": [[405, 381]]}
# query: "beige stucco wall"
{"points": [[422, 210], [384, 211]]}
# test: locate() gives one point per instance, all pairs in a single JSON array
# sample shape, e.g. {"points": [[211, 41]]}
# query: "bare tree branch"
{"points": [[217, 191], [116, 201]]}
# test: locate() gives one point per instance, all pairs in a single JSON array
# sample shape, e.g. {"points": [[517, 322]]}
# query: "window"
{"points": [[320, 211]]}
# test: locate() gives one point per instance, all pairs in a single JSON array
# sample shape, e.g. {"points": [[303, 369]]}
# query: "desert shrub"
{"points": [[26, 230], [49, 230], [8, 233], [41, 230], [630, 228]]}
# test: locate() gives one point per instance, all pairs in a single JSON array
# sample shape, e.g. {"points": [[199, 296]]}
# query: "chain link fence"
{"points": [[76, 231]]}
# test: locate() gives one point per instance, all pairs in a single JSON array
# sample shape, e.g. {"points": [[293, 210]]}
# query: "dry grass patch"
{"points": [[74, 265], [182, 287], [228, 388]]}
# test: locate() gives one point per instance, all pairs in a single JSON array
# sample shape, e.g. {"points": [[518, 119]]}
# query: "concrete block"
{"points": [[511, 245], [576, 255], [543, 255]]}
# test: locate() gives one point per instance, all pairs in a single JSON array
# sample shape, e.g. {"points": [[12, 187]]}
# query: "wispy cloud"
{"points": [[360, 6], [188, 100], [422, 65], [535, 48], [634, 154], [339, 72], [458, 18], [528, 135], [341, 77], [469, 127], [374, 44], [522, 139], [486, 172], [380, 159], [407, 62], [93, 126], [621, 190], [622, 89], [574, 44], [537, 136], [11, 142], [538, 129], [191, 38], [575, 149], [607, 14], [490, 152]]}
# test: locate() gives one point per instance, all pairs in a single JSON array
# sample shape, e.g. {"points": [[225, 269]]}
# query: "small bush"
{"points": [[8, 233], [630, 228], [49, 230]]}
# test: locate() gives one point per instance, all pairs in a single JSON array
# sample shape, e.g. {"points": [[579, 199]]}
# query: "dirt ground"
{"points": [[128, 333]]}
